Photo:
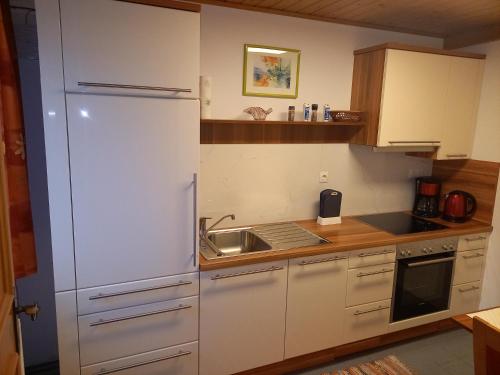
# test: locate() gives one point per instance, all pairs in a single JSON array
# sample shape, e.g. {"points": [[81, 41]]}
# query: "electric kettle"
{"points": [[459, 206]]}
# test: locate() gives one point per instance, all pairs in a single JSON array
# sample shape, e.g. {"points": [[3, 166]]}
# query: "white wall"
{"points": [[487, 147], [261, 183]]}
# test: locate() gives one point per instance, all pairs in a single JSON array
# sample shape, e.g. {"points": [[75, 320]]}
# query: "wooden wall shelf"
{"points": [[253, 131]]}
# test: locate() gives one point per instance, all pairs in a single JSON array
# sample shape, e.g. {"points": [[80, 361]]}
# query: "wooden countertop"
{"points": [[350, 235]]}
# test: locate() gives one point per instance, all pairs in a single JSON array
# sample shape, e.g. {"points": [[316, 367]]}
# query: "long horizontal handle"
{"points": [[144, 363], [125, 292], [228, 275], [472, 288], [434, 261], [478, 238], [416, 142], [456, 155], [359, 312], [107, 321], [306, 262], [132, 87], [476, 255], [362, 255], [363, 274]]}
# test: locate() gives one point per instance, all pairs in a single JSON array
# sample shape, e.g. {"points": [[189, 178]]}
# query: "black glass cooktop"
{"points": [[400, 223]]}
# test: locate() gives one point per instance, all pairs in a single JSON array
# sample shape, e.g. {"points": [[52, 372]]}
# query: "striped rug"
{"points": [[390, 365]]}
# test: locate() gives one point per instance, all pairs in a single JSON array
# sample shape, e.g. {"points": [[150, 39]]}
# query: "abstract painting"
{"points": [[270, 71]]}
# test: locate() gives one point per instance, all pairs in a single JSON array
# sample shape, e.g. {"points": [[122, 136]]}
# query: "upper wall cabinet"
{"points": [[115, 47], [417, 97]]}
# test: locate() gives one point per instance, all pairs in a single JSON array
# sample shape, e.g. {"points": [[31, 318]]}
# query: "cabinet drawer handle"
{"points": [[363, 274], [306, 262], [125, 292], [476, 255], [479, 238], [358, 312], [472, 288], [177, 355], [114, 320], [133, 87], [362, 255], [456, 155], [419, 142], [228, 275]]}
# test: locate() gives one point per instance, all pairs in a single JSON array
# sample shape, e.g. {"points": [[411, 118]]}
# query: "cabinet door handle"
{"points": [[195, 218], [125, 292], [362, 255], [110, 371], [456, 155], [114, 320], [478, 238], [476, 255], [472, 288], [359, 312], [228, 275], [363, 274], [306, 262], [133, 87]]}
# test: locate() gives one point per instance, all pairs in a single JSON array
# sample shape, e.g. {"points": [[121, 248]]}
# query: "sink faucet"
{"points": [[203, 224]]}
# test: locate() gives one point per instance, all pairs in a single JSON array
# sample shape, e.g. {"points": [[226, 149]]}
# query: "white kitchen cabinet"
{"points": [[368, 320], [468, 266], [121, 43], [174, 360], [315, 303], [372, 256], [465, 298], [369, 284], [242, 317], [472, 242], [119, 333], [462, 100], [413, 97], [132, 165]]}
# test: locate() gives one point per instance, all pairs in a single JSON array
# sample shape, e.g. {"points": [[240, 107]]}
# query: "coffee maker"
{"points": [[427, 195]]}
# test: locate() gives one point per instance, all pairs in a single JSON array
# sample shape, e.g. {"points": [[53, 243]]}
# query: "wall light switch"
{"points": [[323, 177]]}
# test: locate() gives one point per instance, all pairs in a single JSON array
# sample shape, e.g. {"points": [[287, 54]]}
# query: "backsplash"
{"points": [[265, 183]]}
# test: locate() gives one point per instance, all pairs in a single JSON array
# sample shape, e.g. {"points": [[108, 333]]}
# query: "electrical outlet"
{"points": [[323, 177]]}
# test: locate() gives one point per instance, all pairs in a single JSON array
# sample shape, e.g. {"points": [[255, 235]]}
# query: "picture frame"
{"points": [[271, 71]]}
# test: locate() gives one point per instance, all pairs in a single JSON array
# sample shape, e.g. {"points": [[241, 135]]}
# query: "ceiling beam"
{"points": [[315, 17], [476, 36]]}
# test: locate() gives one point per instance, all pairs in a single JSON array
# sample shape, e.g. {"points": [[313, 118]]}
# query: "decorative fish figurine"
{"points": [[257, 112]]}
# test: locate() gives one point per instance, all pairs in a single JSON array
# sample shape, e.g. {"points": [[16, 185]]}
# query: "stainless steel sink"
{"points": [[266, 237], [236, 241]]}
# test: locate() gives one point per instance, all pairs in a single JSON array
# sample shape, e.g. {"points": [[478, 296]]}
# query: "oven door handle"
{"points": [[434, 261]]}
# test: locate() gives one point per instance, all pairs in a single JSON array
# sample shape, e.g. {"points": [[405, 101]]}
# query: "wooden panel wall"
{"points": [[480, 178]]}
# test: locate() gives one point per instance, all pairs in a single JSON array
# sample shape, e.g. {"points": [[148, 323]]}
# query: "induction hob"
{"points": [[400, 223]]}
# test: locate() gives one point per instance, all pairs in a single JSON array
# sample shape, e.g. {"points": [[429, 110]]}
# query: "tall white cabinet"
{"points": [[121, 120]]}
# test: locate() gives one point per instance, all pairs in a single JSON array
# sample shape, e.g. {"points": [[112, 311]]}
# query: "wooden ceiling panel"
{"points": [[448, 19]]}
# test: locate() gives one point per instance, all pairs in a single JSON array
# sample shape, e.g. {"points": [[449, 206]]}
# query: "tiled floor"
{"points": [[448, 353]]}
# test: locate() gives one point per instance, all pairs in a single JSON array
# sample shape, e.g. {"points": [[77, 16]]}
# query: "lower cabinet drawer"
{"points": [[468, 266], [372, 256], [117, 296], [465, 298], [369, 284], [472, 242], [124, 332], [175, 360], [364, 321]]}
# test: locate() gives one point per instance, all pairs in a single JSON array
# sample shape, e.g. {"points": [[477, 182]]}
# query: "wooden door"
{"points": [[132, 166]]}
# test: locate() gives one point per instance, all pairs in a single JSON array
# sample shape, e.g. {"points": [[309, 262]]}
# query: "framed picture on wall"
{"points": [[270, 71]]}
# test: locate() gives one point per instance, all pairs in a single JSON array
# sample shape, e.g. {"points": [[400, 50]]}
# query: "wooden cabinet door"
{"points": [[121, 43], [315, 303], [461, 108], [414, 98], [132, 164], [242, 317]]}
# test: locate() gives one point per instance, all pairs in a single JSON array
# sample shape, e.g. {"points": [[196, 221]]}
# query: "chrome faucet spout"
{"points": [[203, 224]]}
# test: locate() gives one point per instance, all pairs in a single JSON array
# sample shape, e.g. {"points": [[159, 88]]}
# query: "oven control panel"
{"points": [[427, 247]]}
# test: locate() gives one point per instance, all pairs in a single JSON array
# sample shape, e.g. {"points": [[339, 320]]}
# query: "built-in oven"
{"points": [[423, 281]]}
